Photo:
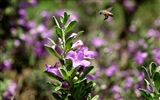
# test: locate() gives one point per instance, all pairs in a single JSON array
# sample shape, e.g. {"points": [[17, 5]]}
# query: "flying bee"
{"points": [[106, 13]]}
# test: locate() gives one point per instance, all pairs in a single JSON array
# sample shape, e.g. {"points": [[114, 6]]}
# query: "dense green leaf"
{"points": [[51, 50], [56, 96], [79, 33], [59, 32], [70, 26], [52, 75], [66, 17], [152, 67], [68, 64], [63, 73], [146, 74], [156, 79], [57, 24], [95, 97], [86, 71]]}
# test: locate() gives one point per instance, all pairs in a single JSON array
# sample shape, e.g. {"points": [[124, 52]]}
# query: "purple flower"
{"points": [[98, 42], [78, 57], [111, 70], [10, 91], [54, 69], [140, 56]]}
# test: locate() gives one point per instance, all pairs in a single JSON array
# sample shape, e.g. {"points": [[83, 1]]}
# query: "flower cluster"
{"points": [[73, 73]]}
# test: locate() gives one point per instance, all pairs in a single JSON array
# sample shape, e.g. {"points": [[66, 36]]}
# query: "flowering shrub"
{"points": [[72, 70], [152, 79]]}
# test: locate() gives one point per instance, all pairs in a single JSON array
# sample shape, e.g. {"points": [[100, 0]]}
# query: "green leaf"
{"points": [[95, 97], [57, 24], [63, 73], [53, 76], [61, 19], [56, 96], [146, 74], [79, 33], [68, 64], [152, 67], [59, 32], [66, 17], [145, 93], [51, 41], [86, 71], [69, 43], [158, 69], [51, 50], [156, 79], [51, 84], [149, 85], [70, 26]]}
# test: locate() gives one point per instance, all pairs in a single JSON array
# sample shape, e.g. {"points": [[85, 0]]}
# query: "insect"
{"points": [[106, 13]]}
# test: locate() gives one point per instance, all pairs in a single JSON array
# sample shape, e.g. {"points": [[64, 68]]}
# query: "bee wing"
{"points": [[109, 9]]}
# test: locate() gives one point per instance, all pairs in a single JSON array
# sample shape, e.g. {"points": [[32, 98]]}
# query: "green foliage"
{"points": [[152, 82]]}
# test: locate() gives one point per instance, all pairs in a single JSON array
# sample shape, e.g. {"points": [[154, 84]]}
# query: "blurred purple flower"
{"points": [[22, 13], [10, 91], [128, 82], [140, 56], [98, 42], [151, 33], [142, 43], [132, 28], [111, 70], [6, 64], [115, 89], [32, 3], [54, 69], [16, 43], [130, 5], [73, 15], [157, 57], [131, 46]]}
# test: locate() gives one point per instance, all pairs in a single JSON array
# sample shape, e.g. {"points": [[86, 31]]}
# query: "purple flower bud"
{"points": [[73, 35], [64, 84], [54, 69], [57, 49], [77, 45], [6, 64]]}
